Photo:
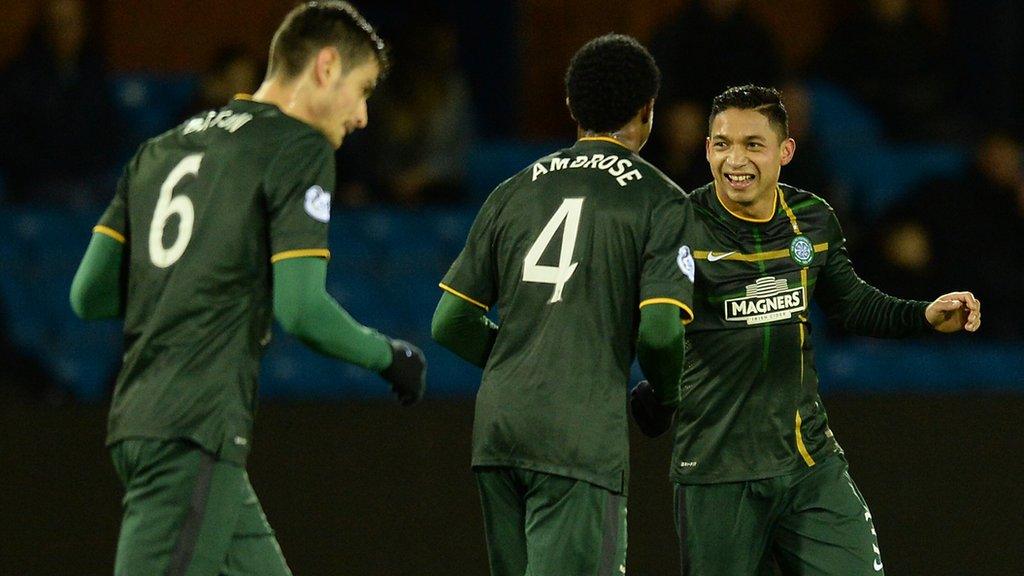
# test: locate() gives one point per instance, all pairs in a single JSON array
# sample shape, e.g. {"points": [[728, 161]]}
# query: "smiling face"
{"points": [[746, 155]]}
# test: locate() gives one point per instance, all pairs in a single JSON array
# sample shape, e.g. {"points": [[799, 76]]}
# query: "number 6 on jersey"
{"points": [[166, 206], [569, 212]]}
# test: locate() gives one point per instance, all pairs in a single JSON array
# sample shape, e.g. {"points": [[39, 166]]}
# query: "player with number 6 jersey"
{"points": [[575, 251], [217, 226]]}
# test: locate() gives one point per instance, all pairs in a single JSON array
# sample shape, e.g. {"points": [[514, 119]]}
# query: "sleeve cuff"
{"points": [[686, 309], [455, 292], [306, 253], [109, 232]]}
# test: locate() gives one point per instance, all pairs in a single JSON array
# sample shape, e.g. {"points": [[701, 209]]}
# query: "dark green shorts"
{"points": [[812, 523], [186, 513], [545, 525]]}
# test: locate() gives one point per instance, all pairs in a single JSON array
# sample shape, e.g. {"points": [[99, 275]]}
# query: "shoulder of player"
{"points": [[804, 202], [703, 197], [654, 182]]}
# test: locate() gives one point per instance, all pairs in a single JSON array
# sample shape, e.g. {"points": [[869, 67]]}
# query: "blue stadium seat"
{"points": [[494, 161], [876, 172], [39, 261], [152, 103]]}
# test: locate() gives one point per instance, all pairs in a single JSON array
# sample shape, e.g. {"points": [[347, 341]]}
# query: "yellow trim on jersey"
{"points": [[603, 139], [789, 211], [758, 257], [455, 292], [242, 96], [673, 302], [107, 231], [306, 253], [800, 442], [775, 204]]}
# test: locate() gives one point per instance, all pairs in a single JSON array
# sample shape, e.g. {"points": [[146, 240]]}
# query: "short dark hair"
{"points": [[311, 26], [609, 79], [766, 100]]}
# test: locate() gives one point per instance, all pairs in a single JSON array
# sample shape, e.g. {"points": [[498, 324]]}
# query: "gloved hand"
{"points": [[407, 372], [650, 415]]}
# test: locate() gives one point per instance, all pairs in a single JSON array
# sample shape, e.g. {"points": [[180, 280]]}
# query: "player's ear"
{"points": [[647, 112], [788, 151], [707, 148], [569, 106], [326, 65]]}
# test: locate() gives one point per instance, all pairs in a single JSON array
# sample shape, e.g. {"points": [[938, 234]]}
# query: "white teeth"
{"points": [[739, 178]]}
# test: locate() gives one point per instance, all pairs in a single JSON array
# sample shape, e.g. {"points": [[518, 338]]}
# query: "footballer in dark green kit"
{"points": [[759, 477], [216, 227], [579, 252]]}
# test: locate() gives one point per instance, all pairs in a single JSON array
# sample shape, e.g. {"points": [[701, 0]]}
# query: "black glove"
{"points": [[650, 416], [407, 372]]}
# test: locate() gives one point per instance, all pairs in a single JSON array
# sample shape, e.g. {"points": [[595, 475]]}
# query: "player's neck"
{"points": [[761, 209], [287, 97], [628, 136]]}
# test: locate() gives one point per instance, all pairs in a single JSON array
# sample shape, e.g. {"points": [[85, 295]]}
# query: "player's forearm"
{"points": [[96, 289], [863, 309], [305, 310], [462, 328], [660, 350], [872, 313]]}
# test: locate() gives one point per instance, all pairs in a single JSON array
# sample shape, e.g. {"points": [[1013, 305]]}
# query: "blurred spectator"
{"points": [[234, 70], [734, 49], [711, 45], [60, 137], [677, 144], [989, 44], [895, 61], [964, 232], [421, 125], [809, 170]]}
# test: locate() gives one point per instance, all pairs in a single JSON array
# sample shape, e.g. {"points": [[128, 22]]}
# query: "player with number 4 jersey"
{"points": [[576, 252], [216, 227]]}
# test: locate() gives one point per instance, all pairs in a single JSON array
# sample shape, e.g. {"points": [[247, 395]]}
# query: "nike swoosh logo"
{"points": [[712, 257]]}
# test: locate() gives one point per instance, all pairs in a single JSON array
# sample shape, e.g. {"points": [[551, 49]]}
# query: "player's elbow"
{"points": [[661, 343], [293, 320], [82, 302], [662, 338], [440, 330], [78, 305]]}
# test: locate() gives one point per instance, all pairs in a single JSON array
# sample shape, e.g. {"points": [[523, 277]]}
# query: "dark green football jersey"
{"points": [[203, 210], [569, 249], [750, 407]]}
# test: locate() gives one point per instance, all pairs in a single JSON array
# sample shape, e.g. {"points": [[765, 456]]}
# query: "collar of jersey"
{"points": [[243, 96], [602, 139], [775, 206]]}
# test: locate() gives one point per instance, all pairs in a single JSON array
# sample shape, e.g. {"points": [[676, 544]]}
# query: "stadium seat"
{"points": [[876, 172], [492, 162], [152, 103]]}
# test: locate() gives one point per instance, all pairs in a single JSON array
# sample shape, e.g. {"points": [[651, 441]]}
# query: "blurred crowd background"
{"points": [[907, 116]]}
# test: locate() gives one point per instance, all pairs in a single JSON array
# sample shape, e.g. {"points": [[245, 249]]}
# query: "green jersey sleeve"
{"points": [[668, 267], [473, 276], [297, 188], [861, 308]]}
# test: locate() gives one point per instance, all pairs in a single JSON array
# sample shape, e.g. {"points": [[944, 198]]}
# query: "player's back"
{"points": [[567, 239], [203, 208]]}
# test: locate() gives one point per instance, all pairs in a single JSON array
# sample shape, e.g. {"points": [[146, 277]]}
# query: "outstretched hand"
{"points": [[954, 312]]}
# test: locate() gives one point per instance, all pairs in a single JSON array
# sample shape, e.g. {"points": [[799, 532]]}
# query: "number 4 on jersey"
{"points": [[569, 212]]}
